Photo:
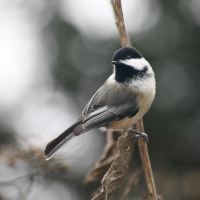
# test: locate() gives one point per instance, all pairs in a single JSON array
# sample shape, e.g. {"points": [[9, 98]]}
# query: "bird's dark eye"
{"points": [[128, 57]]}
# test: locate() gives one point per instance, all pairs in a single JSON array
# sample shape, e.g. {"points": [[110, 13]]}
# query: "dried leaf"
{"points": [[107, 157], [119, 169]]}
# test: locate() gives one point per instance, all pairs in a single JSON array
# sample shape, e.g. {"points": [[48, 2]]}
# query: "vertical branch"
{"points": [[134, 179], [120, 22], [139, 125], [146, 162]]}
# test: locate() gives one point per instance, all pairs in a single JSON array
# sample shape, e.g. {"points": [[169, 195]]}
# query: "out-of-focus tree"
{"points": [[78, 64]]}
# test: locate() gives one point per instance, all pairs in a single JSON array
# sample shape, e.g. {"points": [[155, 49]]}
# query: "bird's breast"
{"points": [[145, 91]]}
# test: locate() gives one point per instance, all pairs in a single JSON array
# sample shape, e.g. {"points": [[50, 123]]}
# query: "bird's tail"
{"points": [[53, 146]]}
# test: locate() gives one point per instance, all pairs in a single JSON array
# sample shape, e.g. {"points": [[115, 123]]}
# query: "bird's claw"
{"points": [[144, 135], [139, 135]]}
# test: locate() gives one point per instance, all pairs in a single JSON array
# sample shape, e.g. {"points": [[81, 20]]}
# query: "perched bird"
{"points": [[123, 99]]}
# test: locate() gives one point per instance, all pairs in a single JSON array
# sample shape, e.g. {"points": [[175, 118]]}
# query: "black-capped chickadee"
{"points": [[123, 99]]}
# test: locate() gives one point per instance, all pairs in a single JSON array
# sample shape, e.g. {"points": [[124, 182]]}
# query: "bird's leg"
{"points": [[139, 135]]}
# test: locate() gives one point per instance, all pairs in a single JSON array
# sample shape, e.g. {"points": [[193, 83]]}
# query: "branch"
{"points": [[139, 125], [134, 179], [146, 162], [117, 7]]}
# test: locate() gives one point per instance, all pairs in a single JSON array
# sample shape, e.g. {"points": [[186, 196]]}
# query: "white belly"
{"points": [[145, 100]]}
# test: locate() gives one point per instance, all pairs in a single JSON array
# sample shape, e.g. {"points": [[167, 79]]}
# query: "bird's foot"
{"points": [[139, 135]]}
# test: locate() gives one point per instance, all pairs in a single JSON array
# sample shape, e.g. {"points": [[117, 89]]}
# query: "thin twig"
{"points": [[146, 195], [146, 162], [132, 182], [139, 125]]}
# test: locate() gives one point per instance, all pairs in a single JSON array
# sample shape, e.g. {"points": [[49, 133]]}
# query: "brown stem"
{"points": [[134, 179], [146, 195], [146, 162], [117, 6], [139, 125]]}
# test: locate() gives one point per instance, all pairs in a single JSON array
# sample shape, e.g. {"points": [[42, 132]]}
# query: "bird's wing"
{"points": [[101, 111], [105, 107], [106, 115], [92, 104]]}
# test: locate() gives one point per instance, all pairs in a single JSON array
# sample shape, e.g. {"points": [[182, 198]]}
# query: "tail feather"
{"points": [[53, 146]]}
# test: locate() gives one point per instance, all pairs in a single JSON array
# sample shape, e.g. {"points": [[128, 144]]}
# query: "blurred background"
{"points": [[55, 54]]}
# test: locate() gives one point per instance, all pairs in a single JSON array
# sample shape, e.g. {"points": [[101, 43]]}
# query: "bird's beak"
{"points": [[115, 63]]}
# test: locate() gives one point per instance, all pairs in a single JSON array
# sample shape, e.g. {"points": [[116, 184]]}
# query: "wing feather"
{"points": [[101, 111]]}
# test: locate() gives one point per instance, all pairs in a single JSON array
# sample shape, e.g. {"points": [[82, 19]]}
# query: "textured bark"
{"points": [[117, 7], [146, 162]]}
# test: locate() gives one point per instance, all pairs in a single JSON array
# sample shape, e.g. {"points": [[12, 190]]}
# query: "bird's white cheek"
{"points": [[138, 63]]}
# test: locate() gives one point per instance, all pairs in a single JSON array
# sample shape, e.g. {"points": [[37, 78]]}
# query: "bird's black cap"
{"points": [[126, 53]]}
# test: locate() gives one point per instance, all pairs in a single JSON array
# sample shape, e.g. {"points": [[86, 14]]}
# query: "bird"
{"points": [[119, 103]]}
